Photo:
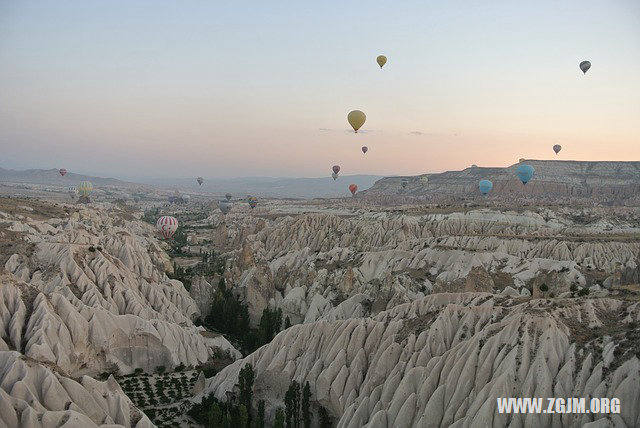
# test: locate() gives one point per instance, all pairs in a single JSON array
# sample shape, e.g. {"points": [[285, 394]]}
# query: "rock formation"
{"points": [[442, 360]]}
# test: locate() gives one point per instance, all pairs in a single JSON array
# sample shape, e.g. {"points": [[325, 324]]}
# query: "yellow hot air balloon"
{"points": [[356, 119], [381, 60]]}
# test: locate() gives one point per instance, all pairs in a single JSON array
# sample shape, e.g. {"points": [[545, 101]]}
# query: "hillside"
{"points": [[602, 181], [52, 176]]}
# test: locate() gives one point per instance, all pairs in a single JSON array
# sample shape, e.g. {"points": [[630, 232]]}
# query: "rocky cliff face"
{"points": [[599, 182], [83, 291], [442, 360], [307, 264]]}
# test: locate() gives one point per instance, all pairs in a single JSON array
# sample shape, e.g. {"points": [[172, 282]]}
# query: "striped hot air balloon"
{"points": [[84, 188], [167, 226], [253, 202]]}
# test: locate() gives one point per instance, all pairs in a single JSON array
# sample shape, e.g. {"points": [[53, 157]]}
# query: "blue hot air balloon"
{"points": [[485, 186], [525, 173]]}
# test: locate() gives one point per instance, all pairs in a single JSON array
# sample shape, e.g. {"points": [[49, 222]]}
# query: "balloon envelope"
{"points": [[334, 176], [62, 171], [228, 196], [356, 119], [253, 201], [225, 206], [404, 182], [365, 149], [167, 226], [200, 180], [353, 189], [335, 169], [585, 66], [557, 148], [525, 173], [485, 186], [381, 60], [186, 198], [84, 188]]}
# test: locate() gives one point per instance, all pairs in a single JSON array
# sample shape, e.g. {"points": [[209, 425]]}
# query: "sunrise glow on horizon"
{"points": [[149, 89]]}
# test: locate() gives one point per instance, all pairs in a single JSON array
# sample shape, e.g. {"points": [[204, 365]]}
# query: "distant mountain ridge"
{"points": [[613, 181], [276, 187], [52, 176]]}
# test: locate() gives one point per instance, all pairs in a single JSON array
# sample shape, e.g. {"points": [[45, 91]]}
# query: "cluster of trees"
{"points": [[238, 413], [230, 317], [297, 412]]}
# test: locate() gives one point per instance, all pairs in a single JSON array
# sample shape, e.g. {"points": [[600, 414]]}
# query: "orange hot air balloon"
{"points": [[353, 189]]}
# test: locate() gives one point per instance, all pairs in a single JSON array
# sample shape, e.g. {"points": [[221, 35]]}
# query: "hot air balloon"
{"points": [[62, 171], [404, 182], [334, 176], [521, 160], [185, 198], [200, 180], [353, 189], [225, 206], [356, 119], [253, 202], [557, 148], [84, 188], [336, 168], [585, 66], [228, 196], [365, 149], [381, 60], [167, 226], [73, 191], [525, 173], [485, 186]]}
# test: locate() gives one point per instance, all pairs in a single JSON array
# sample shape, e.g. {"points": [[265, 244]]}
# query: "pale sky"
{"points": [[187, 88]]}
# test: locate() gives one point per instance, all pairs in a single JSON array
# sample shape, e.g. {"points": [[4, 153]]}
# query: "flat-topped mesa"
{"points": [[598, 181]]}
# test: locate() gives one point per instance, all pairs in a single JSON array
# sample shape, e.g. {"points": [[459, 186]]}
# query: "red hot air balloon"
{"points": [[353, 189], [336, 168], [62, 171], [365, 149], [167, 226]]}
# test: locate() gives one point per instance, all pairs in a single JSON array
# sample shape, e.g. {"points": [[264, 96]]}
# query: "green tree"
{"points": [[215, 416], [306, 410], [279, 421], [245, 384], [324, 419], [260, 418], [292, 405], [243, 416], [287, 322]]}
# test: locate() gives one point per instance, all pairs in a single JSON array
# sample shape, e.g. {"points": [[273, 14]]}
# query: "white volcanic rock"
{"points": [[444, 359], [396, 258], [90, 292], [32, 395]]}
